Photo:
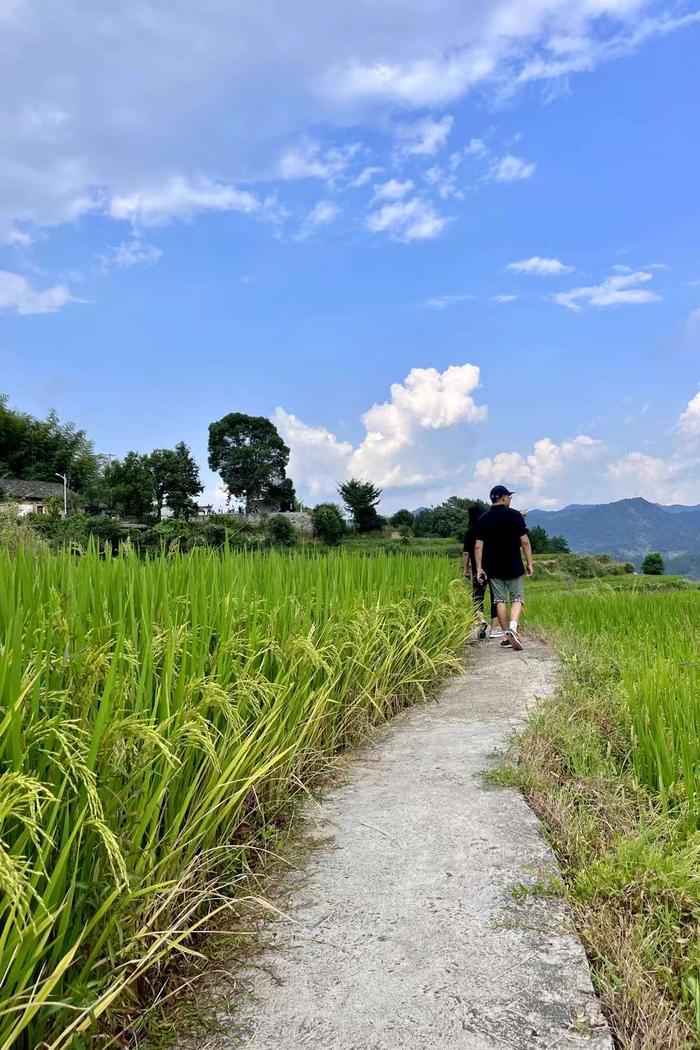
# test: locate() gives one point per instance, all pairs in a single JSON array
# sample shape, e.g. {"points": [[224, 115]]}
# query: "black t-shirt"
{"points": [[468, 546], [501, 528]]}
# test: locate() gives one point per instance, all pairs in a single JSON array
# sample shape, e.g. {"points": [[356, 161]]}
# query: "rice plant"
{"points": [[153, 715]]}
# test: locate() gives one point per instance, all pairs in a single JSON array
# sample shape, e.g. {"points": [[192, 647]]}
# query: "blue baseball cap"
{"points": [[498, 492]]}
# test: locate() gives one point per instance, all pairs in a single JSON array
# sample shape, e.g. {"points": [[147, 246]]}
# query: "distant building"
{"points": [[33, 496]]}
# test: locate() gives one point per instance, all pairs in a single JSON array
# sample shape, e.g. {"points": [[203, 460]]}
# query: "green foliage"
{"points": [[360, 499], [35, 449], [328, 523], [402, 519], [130, 486], [249, 455], [449, 519], [284, 495], [16, 533], [176, 480], [160, 715], [543, 543], [281, 531], [653, 565]]}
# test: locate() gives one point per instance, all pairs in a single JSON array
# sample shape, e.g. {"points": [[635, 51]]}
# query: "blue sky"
{"points": [[442, 244]]}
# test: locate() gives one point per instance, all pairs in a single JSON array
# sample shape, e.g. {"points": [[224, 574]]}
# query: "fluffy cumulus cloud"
{"points": [[537, 266], [689, 422], [393, 189], [537, 474], [18, 296], [151, 111], [621, 288], [407, 220], [398, 450]]}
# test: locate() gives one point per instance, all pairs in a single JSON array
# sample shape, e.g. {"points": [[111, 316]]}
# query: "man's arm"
{"points": [[478, 555], [466, 567], [527, 548]]}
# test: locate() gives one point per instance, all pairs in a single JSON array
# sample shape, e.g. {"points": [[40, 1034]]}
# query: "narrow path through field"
{"points": [[409, 929]]}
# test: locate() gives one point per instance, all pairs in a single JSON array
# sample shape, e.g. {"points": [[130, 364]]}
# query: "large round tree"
{"points": [[249, 455]]}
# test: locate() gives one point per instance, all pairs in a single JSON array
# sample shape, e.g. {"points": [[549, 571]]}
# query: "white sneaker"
{"points": [[495, 632]]}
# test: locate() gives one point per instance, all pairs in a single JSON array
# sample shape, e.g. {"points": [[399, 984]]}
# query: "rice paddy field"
{"points": [[157, 719], [612, 765]]}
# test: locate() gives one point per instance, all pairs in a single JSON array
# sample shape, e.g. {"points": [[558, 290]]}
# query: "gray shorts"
{"points": [[502, 590]]}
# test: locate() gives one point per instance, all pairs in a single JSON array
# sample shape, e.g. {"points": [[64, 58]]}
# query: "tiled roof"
{"points": [[18, 489]]}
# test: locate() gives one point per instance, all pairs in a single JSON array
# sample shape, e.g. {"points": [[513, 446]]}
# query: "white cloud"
{"points": [[393, 190], [672, 480], [445, 182], [504, 298], [15, 238], [476, 148], [540, 267], [133, 253], [307, 160], [424, 137], [322, 214], [512, 169], [411, 220], [179, 198], [613, 291], [214, 91], [396, 451], [18, 296], [534, 474], [366, 175], [318, 459], [441, 301], [689, 422]]}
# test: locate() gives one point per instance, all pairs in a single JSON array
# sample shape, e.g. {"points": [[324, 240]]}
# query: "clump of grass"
{"points": [[157, 718], [612, 765]]}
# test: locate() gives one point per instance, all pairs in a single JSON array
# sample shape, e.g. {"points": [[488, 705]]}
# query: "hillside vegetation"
{"points": [[629, 529]]}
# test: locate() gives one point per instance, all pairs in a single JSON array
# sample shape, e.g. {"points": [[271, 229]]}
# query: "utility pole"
{"points": [[65, 493]]}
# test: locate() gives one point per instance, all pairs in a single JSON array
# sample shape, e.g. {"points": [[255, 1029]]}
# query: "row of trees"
{"points": [[246, 451]]}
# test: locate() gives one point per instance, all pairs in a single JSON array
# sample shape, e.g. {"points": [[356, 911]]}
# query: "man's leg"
{"points": [[515, 590], [499, 595]]}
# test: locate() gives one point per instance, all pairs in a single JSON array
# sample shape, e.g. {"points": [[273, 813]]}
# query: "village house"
{"points": [[33, 496]]}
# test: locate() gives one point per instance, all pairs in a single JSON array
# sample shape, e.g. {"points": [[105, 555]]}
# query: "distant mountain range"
{"points": [[629, 529]]}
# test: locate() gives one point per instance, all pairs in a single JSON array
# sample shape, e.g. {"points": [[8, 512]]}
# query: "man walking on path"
{"points": [[501, 533]]}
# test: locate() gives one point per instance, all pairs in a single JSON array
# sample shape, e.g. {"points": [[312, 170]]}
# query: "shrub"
{"points": [[16, 532], [653, 564], [328, 523], [281, 531], [402, 519]]}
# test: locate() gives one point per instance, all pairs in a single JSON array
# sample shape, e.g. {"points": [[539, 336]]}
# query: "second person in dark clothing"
{"points": [[501, 534], [479, 587]]}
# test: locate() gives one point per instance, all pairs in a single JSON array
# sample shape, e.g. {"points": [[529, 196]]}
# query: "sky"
{"points": [[443, 244]]}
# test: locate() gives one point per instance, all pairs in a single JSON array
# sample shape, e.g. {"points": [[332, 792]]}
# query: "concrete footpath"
{"points": [[409, 928]]}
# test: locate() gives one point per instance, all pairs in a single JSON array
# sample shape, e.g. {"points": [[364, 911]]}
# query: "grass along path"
{"points": [[612, 765], [156, 720]]}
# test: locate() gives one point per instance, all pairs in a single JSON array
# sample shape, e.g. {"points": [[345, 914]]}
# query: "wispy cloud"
{"points": [[323, 213], [538, 266], [18, 296], [441, 301], [613, 291], [424, 137], [308, 160], [180, 198], [504, 298]]}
